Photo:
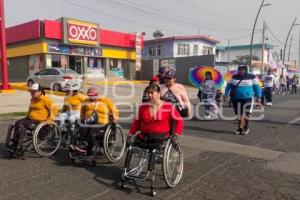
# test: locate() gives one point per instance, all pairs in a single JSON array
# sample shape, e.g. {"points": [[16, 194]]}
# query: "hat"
{"points": [[92, 91], [154, 78], [170, 74], [162, 70], [36, 87], [243, 66]]}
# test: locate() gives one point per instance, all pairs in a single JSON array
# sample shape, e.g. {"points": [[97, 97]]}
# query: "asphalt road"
{"points": [[218, 164]]}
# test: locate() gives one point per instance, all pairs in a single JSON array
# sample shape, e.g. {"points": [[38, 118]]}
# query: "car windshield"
{"points": [[68, 71]]}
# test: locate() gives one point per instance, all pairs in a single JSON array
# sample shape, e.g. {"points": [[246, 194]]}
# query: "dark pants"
{"points": [[90, 135], [268, 94], [20, 130], [294, 89], [288, 87]]}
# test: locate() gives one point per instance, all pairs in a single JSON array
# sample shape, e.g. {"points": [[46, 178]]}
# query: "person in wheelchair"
{"points": [[72, 105], [154, 121], [41, 109], [97, 112]]}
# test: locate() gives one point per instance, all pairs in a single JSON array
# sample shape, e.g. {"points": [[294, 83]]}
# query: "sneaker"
{"points": [[207, 117], [245, 131], [238, 131]]}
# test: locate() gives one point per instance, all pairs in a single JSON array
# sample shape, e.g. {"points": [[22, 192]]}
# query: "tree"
{"points": [[245, 59]]}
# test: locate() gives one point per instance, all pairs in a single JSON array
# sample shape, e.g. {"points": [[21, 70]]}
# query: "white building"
{"points": [[179, 46]]}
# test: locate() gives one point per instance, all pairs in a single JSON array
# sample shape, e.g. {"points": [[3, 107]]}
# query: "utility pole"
{"points": [[299, 52], [263, 49], [228, 51], [289, 53]]}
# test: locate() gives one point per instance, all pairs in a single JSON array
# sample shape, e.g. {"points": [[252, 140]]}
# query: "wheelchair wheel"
{"points": [[172, 164], [46, 138], [114, 143]]}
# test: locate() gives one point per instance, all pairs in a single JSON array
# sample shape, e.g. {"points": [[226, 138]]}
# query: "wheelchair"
{"points": [[104, 140], [43, 138], [141, 160]]}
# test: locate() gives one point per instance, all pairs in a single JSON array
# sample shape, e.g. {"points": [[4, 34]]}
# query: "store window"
{"points": [[116, 67], [96, 68], [55, 61]]}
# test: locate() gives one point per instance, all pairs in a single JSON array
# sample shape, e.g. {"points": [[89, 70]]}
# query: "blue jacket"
{"points": [[247, 88]]}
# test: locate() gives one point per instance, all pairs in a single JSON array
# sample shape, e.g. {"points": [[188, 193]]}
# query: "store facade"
{"points": [[82, 46]]}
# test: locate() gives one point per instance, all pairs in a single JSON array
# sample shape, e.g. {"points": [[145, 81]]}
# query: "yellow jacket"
{"points": [[73, 103], [104, 108], [42, 109]]}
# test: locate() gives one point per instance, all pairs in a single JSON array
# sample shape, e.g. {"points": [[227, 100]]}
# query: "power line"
{"points": [[211, 12], [163, 15], [117, 17]]}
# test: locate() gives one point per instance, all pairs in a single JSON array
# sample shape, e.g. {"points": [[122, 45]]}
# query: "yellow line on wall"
{"points": [[120, 54], [26, 50]]}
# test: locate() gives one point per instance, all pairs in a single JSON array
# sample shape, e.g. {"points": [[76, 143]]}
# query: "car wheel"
{"points": [[56, 87], [30, 83]]}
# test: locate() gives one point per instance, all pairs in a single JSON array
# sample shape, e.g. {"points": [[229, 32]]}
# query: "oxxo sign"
{"points": [[82, 32]]}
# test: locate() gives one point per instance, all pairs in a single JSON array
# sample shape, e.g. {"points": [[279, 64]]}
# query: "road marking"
{"points": [[99, 194]]}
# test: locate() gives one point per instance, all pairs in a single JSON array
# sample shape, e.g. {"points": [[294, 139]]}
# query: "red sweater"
{"points": [[159, 124]]}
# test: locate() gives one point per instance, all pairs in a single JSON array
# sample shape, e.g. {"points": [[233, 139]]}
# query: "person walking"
{"points": [[269, 83], [288, 84], [282, 83], [243, 88], [209, 94], [176, 94], [161, 75], [294, 83]]}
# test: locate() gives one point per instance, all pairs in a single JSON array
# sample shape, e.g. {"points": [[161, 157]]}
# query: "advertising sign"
{"points": [[73, 50], [79, 32]]}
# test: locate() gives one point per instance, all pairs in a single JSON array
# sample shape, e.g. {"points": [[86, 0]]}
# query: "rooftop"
{"points": [[237, 47], [190, 37]]}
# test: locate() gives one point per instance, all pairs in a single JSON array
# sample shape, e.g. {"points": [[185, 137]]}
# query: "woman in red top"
{"points": [[155, 118]]}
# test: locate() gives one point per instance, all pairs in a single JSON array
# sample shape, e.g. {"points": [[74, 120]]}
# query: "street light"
{"points": [[287, 38], [251, 46]]}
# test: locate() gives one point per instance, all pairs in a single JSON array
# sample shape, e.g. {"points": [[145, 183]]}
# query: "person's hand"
{"points": [[174, 140]]}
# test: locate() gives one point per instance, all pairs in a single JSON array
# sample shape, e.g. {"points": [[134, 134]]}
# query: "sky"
{"points": [[223, 19]]}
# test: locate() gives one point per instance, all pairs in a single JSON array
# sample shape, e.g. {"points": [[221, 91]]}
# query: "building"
{"points": [[231, 53], [95, 52], [227, 55], [179, 46]]}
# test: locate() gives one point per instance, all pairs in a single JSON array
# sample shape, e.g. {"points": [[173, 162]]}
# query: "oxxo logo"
{"points": [[86, 34]]}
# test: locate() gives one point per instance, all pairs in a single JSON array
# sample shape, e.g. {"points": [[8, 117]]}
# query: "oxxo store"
{"points": [[82, 46]]}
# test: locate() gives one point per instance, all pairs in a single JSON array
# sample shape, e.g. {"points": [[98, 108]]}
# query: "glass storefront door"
{"points": [[76, 63]]}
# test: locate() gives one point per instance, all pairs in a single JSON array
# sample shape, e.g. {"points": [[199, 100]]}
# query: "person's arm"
{"points": [[228, 88], [52, 108], [185, 99], [175, 116], [82, 112], [112, 108], [256, 88], [136, 124]]}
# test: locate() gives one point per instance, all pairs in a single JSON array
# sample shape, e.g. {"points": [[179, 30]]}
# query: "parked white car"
{"points": [[55, 78]]}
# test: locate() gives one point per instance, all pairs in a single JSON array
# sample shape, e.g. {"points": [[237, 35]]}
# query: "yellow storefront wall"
{"points": [[26, 50], [118, 54], [38, 48]]}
